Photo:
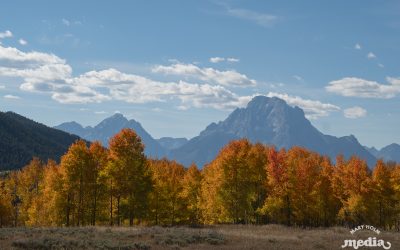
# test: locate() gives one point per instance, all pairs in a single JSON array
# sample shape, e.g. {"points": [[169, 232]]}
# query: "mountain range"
{"points": [[109, 127], [22, 138], [388, 153], [270, 121], [267, 120]]}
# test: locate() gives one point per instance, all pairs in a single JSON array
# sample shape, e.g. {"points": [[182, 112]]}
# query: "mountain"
{"points": [[269, 121], [73, 128], [170, 143], [373, 151], [111, 126], [388, 153], [22, 139]]}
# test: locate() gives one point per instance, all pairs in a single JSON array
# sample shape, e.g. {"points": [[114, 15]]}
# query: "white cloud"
{"points": [[2, 87], [221, 59], [5, 34], [100, 112], [227, 78], [232, 59], [371, 55], [13, 97], [34, 67], [156, 109], [312, 109], [42, 72], [262, 19], [22, 42], [77, 94], [380, 65], [217, 59], [298, 78], [354, 112], [357, 87], [49, 74], [13, 55], [66, 22], [181, 107], [137, 89], [357, 46]]}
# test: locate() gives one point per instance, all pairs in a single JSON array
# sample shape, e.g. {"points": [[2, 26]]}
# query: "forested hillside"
{"points": [[245, 183], [21, 139]]}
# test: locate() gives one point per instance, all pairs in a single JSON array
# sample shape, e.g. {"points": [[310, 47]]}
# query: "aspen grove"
{"points": [[245, 183]]}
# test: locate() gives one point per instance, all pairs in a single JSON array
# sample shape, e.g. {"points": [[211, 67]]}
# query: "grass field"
{"points": [[213, 237]]}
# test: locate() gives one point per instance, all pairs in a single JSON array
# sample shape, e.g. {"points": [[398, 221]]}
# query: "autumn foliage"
{"points": [[245, 183]]}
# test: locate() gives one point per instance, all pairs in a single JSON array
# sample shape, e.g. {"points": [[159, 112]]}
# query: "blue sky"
{"points": [[176, 66]]}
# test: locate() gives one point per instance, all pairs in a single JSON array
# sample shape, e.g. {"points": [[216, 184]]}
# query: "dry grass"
{"points": [[215, 237]]}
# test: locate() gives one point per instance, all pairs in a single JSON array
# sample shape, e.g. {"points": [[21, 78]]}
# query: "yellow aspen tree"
{"points": [[384, 194], [75, 164], [352, 178], [280, 191], [30, 182], [395, 181], [211, 205], [129, 174], [191, 184], [168, 207], [96, 182], [6, 209]]}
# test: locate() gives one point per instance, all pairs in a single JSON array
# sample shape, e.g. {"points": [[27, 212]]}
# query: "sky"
{"points": [[177, 66]]}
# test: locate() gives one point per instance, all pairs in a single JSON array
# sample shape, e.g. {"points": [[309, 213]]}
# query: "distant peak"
{"points": [[260, 98], [72, 123], [351, 138], [116, 118], [393, 145], [117, 115], [263, 100]]}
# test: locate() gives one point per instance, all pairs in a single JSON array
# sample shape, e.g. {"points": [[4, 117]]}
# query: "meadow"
{"points": [[209, 237]]}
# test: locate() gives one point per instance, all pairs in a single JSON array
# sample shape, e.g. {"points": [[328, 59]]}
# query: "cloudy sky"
{"points": [[176, 66]]}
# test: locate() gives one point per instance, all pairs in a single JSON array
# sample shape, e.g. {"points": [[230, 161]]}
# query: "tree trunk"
{"points": [[131, 209], [118, 218], [288, 210], [94, 208], [130, 218], [111, 205], [68, 209], [80, 199]]}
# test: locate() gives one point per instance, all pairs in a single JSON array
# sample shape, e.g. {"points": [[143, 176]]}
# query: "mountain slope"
{"points": [[73, 128], [170, 143], [269, 121], [21, 139], [109, 127], [388, 153]]}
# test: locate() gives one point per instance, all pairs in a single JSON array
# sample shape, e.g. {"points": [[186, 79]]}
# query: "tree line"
{"points": [[245, 183]]}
